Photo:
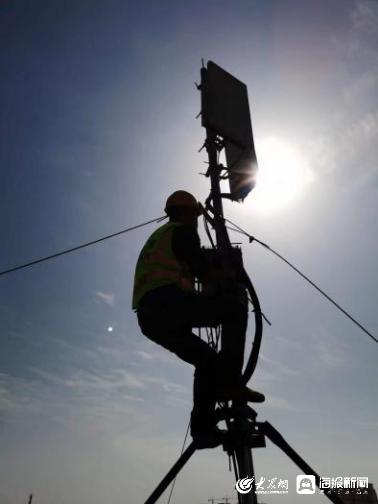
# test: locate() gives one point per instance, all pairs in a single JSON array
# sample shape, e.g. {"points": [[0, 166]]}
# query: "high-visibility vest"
{"points": [[158, 266]]}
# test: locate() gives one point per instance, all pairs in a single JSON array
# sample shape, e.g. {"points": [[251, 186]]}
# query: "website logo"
{"points": [[305, 484], [244, 485], [263, 485]]}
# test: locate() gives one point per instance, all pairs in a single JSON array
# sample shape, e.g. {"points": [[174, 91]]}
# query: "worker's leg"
{"points": [[163, 319], [193, 350], [229, 309], [165, 316]]}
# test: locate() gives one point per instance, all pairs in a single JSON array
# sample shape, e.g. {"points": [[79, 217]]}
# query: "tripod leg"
{"points": [[278, 440], [171, 474]]}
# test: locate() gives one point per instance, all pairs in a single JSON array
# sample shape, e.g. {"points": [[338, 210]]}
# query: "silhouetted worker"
{"points": [[168, 307]]}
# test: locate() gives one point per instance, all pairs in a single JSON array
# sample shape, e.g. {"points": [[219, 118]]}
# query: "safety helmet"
{"points": [[182, 199]]}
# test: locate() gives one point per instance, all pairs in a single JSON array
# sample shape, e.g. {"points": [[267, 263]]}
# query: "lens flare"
{"points": [[282, 176]]}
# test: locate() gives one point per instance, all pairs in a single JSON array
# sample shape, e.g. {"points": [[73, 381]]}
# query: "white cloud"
{"points": [[348, 144], [5, 400], [328, 350], [85, 382], [179, 402], [107, 298], [166, 385], [79, 397], [119, 380], [158, 354], [17, 395], [145, 355], [359, 134], [6, 500], [361, 42], [349, 147], [279, 403], [279, 368], [364, 16], [52, 378], [366, 423], [359, 86], [329, 355]]}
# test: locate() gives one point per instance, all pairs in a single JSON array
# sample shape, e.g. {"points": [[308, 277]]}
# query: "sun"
{"points": [[282, 176]]}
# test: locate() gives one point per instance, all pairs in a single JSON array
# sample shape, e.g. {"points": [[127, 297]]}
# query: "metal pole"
{"points": [[243, 452], [223, 241], [245, 463]]}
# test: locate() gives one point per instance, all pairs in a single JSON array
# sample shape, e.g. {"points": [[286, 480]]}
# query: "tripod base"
{"points": [[244, 433]]}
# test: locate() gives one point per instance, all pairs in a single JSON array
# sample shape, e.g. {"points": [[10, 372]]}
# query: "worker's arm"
{"points": [[186, 246]]}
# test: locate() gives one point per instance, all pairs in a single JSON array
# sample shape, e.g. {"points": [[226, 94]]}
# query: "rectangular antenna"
{"points": [[225, 110]]}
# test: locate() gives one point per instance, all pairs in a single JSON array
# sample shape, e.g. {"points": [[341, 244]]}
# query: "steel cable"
{"points": [[252, 238]]}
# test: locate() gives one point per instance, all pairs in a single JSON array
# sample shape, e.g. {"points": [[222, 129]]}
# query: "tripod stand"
{"points": [[244, 433]]}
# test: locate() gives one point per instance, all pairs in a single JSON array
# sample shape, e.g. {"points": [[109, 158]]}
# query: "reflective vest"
{"points": [[158, 266]]}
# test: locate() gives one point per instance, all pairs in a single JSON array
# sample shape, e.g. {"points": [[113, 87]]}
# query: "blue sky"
{"points": [[97, 127]]}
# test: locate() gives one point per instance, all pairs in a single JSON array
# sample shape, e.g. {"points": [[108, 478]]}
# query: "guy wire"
{"points": [[83, 245], [252, 238]]}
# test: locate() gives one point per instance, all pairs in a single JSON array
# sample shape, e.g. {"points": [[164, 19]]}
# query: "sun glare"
{"points": [[282, 176]]}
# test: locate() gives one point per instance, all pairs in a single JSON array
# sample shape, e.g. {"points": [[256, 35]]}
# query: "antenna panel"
{"points": [[225, 110]]}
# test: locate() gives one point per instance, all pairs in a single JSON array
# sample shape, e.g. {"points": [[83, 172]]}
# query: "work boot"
{"points": [[239, 393], [209, 439]]}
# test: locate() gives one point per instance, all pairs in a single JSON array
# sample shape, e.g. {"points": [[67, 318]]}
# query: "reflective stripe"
{"points": [[158, 266], [154, 276]]}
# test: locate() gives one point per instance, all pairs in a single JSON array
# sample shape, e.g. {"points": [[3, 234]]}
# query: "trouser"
{"points": [[167, 315]]}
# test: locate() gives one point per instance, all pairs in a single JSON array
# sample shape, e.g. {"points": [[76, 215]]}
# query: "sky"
{"points": [[97, 127]]}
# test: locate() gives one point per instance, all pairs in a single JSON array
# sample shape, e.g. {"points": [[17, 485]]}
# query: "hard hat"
{"points": [[182, 199]]}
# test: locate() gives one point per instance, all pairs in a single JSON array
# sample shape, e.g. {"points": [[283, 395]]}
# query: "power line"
{"points": [[252, 238], [87, 244]]}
